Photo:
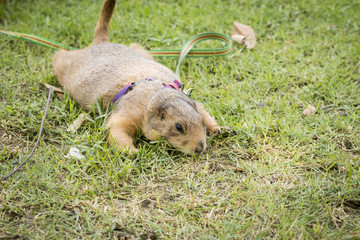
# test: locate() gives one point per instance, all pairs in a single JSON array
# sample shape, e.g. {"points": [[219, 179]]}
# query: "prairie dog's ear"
{"points": [[157, 117], [160, 113], [140, 50]]}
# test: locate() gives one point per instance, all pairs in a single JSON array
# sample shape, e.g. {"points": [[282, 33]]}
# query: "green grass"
{"points": [[283, 176]]}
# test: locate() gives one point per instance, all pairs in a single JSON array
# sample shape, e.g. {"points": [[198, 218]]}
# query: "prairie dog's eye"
{"points": [[179, 127]]}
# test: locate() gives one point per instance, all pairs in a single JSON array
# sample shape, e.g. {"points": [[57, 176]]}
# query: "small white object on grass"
{"points": [[74, 152]]}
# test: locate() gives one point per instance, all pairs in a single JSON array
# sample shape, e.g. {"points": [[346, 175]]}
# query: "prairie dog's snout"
{"points": [[190, 141], [200, 147]]}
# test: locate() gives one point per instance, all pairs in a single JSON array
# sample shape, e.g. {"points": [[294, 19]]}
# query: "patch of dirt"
{"points": [[352, 205], [123, 234], [11, 143], [223, 166]]}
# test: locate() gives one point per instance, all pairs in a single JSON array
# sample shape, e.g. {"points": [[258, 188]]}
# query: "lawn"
{"points": [[284, 175]]}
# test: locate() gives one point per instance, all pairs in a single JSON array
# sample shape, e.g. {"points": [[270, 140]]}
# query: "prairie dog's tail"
{"points": [[102, 28]]}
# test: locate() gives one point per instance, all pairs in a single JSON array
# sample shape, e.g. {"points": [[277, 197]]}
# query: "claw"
{"points": [[224, 131]]}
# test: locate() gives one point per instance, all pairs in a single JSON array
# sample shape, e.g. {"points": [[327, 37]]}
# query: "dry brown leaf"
{"points": [[59, 92], [310, 110], [243, 34]]}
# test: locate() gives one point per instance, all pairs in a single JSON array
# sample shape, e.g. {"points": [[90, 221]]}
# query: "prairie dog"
{"points": [[103, 69]]}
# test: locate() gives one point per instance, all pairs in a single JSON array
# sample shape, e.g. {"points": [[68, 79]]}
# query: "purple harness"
{"points": [[174, 85]]}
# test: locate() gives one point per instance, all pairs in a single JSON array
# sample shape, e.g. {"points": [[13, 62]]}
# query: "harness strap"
{"points": [[127, 88], [174, 85], [122, 92]]}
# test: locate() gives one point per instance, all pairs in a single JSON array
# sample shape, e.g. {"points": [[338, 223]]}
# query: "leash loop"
{"points": [[186, 51], [190, 44]]}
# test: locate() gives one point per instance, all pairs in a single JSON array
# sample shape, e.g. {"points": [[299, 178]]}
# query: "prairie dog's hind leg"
{"points": [[62, 62], [140, 50]]}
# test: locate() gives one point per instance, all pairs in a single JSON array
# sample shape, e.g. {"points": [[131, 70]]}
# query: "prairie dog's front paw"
{"points": [[121, 133], [130, 150], [221, 130], [125, 147]]}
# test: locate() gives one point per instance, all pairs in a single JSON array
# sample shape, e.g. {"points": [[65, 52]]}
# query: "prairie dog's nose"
{"points": [[200, 147]]}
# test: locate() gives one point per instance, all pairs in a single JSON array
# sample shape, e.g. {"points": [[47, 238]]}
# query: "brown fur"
{"points": [[103, 69]]}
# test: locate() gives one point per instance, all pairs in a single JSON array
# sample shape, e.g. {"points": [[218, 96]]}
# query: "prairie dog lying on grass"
{"points": [[154, 107]]}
